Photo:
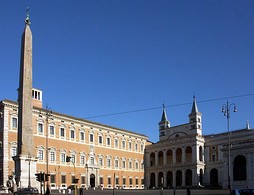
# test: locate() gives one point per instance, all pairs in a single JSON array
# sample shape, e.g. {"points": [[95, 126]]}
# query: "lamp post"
{"points": [[226, 111]]}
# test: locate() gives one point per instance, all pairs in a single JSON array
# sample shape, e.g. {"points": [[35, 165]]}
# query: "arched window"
{"points": [[160, 158], [152, 159], [188, 153], [239, 169], [178, 155], [200, 153]]}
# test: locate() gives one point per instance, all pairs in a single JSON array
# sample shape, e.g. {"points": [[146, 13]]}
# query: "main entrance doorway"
{"points": [[92, 180]]}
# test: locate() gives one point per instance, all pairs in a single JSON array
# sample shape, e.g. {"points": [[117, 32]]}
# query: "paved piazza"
{"points": [[155, 192]]}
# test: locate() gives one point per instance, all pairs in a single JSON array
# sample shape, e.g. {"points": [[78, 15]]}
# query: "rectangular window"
{"points": [[123, 144], [40, 128], [100, 139], [116, 163], [52, 179], [14, 123], [82, 160], [129, 145], [136, 163], [108, 141], [52, 156], [63, 178], [62, 133], [62, 156], [117, 181], [52, 130], [124, 181], [130, 181], [83, 180], [13, 151], [116, 143], [82, 136], [73, 158], [136, 147], [72, 179], [72, 134], [101, 162], [101, 180], [109, 180], [130, 164], [123, 164], [142, 148], [40, 154], [108, 162], [92, 160], [91, 137], [142, 181]]}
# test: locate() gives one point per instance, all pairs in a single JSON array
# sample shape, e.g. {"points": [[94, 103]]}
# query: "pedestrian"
{"points": [[81, 191], [47, 191], [188, 191]]}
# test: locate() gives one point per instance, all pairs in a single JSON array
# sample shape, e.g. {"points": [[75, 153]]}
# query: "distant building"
{"points": [[101, 155], [184, 157]]}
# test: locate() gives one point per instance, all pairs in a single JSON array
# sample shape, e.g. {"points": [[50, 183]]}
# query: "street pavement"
{"points": [[153, 192]]}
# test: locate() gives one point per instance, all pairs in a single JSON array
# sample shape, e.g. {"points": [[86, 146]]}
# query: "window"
{"points": [[142, 181], [101, 180], [124, 181], [52, 156], [72, 134], [136, 181], [108, 141], [136, 165], [123, 144], [123, 164], [100, 139], [62, 132], [82, 160], [101, 161], [129, 145], [136, 147], [142, 165], [72, 179], [142, 148], [14, 123], [52, 179], [116, 143], [130, 181], [63, 157], [116, 163], [92, 160], [109, 180], [130, 165], [13, 151], [73, 158], [108, 163], [52, 130], [40, 128], [82, 136], [91, 138], [117, 181], [40, 154], [63, 178], [83, 179]]}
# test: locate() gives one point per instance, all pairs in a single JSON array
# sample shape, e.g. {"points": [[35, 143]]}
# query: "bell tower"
{"points": [[195, 118]]}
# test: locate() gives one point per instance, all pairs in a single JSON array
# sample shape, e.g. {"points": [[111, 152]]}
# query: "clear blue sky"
{"points": [[95, 58]]}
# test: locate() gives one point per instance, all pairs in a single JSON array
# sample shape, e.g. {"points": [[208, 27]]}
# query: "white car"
{"points": [[242, 192]]}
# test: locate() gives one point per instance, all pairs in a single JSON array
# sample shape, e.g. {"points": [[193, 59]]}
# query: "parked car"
{"points": [[246, 191], [27, 191]]}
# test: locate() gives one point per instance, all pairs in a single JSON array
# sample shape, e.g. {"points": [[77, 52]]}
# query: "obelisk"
{"points": [[25, 161]]}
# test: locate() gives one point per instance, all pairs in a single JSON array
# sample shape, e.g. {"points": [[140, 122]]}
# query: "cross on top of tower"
{"points": [[27, 20]]}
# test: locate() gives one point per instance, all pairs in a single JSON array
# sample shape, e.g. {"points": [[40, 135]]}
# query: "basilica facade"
{"points": [[184, 157]]}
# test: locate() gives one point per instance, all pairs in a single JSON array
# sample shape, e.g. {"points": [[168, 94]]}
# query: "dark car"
{"points": [[27, 191]]}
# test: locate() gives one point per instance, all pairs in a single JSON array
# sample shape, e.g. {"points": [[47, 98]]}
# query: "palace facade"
{"points": [[101, 155], [184, 157]]}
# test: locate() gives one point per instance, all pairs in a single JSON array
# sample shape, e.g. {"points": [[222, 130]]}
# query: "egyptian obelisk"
{"points": [[25, 161]]}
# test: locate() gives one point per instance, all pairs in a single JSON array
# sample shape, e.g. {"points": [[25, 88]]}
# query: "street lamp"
{"points": [[226, 111]]}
